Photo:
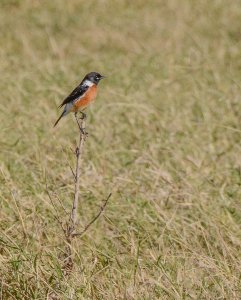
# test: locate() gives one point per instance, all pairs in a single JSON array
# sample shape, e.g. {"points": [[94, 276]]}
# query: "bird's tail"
{"points": [[63, 113]]}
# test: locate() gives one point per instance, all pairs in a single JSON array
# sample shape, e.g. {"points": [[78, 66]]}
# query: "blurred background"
{"points": [[164, 138]]}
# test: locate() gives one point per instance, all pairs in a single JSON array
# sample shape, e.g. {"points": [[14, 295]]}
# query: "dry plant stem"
{"points": [[70, 232], [71, 226], [78, 152]]}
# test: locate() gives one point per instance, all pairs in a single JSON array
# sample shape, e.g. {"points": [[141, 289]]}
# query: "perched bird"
{"points": [[81, 97]]}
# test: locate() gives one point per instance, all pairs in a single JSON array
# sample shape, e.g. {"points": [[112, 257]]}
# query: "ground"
{"points": [[164, 139]]}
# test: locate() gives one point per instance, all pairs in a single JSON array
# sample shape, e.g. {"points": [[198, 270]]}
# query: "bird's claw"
{"points": [[83, 116]]}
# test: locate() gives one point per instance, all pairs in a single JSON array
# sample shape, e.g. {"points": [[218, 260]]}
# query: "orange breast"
{"points": [[85, 100]]}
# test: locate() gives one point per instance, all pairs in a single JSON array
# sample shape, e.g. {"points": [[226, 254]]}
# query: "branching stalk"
{"points": [[71, 231]]}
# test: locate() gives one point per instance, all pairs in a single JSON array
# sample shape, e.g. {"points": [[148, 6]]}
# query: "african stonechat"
{"points": [[82, 96]]}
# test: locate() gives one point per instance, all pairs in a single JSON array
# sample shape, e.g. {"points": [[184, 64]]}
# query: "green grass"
{"points": [[164, 138]]}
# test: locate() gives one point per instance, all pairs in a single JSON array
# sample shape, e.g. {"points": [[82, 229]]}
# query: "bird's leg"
{"points": [[83, 115], [80, 128]]}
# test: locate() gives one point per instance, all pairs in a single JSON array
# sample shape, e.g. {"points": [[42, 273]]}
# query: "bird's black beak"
{"points": [[102, 77]]}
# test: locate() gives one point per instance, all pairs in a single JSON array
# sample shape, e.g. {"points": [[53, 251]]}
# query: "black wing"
{"points": [[75, 94]]}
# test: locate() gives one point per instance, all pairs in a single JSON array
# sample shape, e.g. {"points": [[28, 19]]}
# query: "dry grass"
{"points": [[164, 138]]}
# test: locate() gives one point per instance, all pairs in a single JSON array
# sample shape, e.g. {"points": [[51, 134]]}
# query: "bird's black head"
{"points": [[94, 77]]}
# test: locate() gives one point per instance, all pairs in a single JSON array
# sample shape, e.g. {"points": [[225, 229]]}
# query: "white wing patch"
{"points": [[68, 107], [88, 83]]}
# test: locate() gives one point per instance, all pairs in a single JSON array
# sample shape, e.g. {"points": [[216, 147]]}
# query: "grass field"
{"points": [[164, 138]]}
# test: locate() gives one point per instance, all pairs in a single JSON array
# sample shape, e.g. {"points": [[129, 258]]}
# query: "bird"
{"points": [[82, 96]]}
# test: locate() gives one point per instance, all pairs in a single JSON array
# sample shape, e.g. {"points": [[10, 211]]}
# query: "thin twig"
{"points": [[72, 173], [94, 219], [57, 217], [61, 203]]}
